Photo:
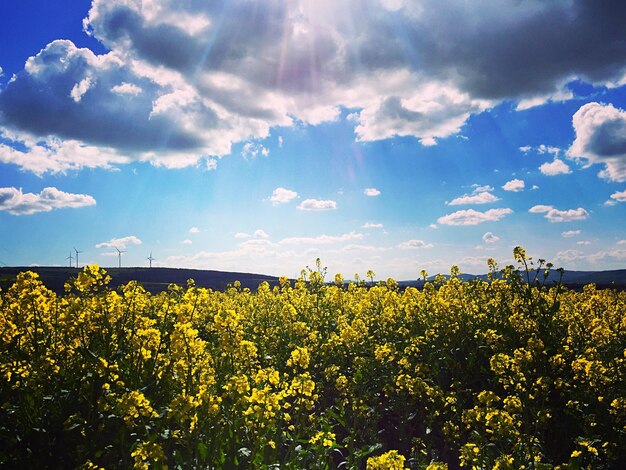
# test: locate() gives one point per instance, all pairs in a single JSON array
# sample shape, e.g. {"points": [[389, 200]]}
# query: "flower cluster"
{"points": [[505, 374]]}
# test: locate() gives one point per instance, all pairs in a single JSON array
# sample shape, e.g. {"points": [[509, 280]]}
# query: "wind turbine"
{"points": [[150, 258], [119, 256], [71, 258], [77, 256]]}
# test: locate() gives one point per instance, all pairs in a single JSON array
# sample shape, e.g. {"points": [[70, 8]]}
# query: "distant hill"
{"points": [[157, 279], [153, 279], [615, 279]]}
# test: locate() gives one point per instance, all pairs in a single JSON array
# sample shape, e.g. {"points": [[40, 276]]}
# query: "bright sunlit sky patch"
{"points": [[257, 136]]}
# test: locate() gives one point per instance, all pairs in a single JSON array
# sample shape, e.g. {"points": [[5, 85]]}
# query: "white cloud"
{"points": [[583, 242], [253, 150], [473, 217], [194, 230], [321, 239], [53, 155], [619, 196], [80, 89], [542, 149], [556, 167], [621, 242], [534, 187], [371, 225], [570, 233], [601, 138], [556, 215], [16, 202], [211, 164], [429, 110], [317, 205], [127, 89], [489, 237], [120, 243], [260, 234], [414, 244], [282, 196], [371, 192], [479, 196], [540, 99], [515, 185], [603, 255], [161, 95], [482, 188], [187, 242], [540, 208]]}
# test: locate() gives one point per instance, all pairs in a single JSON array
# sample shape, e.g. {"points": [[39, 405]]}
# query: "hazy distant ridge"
{"points": [[157, 279]]}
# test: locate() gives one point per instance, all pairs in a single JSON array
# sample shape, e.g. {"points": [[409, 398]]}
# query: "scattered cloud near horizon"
{"points": [[556, 215], [515, 185], [317, 205], [473, 217], [282, 195], [371, 192], [120, 243]]}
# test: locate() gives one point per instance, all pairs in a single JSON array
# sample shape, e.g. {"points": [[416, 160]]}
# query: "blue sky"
{"points": [[391, 135]]}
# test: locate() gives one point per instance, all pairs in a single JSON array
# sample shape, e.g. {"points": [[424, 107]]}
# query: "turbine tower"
{"points": [[119, 256], [77, 265], [71, 258], [151, 259]]}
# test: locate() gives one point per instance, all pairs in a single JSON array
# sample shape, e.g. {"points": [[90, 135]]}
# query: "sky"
{"points": [[257, 136]]}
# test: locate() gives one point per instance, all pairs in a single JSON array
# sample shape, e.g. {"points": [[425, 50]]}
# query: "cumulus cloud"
{"points": [[555, 167], [414, 244], [515, 185], [194, 230], [480, 195], [601, 138], [16, 202], [53, 155], [371, 192], [187, 242], [570, 233], [120, 243], [186, 80], [317, 205], [282, 196], [556, 215], [474, 217], [489, 237]]}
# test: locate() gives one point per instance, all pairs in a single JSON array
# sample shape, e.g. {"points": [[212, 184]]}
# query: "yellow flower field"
{"points": [[507, 374]]}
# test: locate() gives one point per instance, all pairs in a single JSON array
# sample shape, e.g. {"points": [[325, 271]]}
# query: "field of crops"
{"points": [[507, 374]]}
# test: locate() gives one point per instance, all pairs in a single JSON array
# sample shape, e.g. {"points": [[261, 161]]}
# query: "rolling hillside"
{"points": [[157, 279]]}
